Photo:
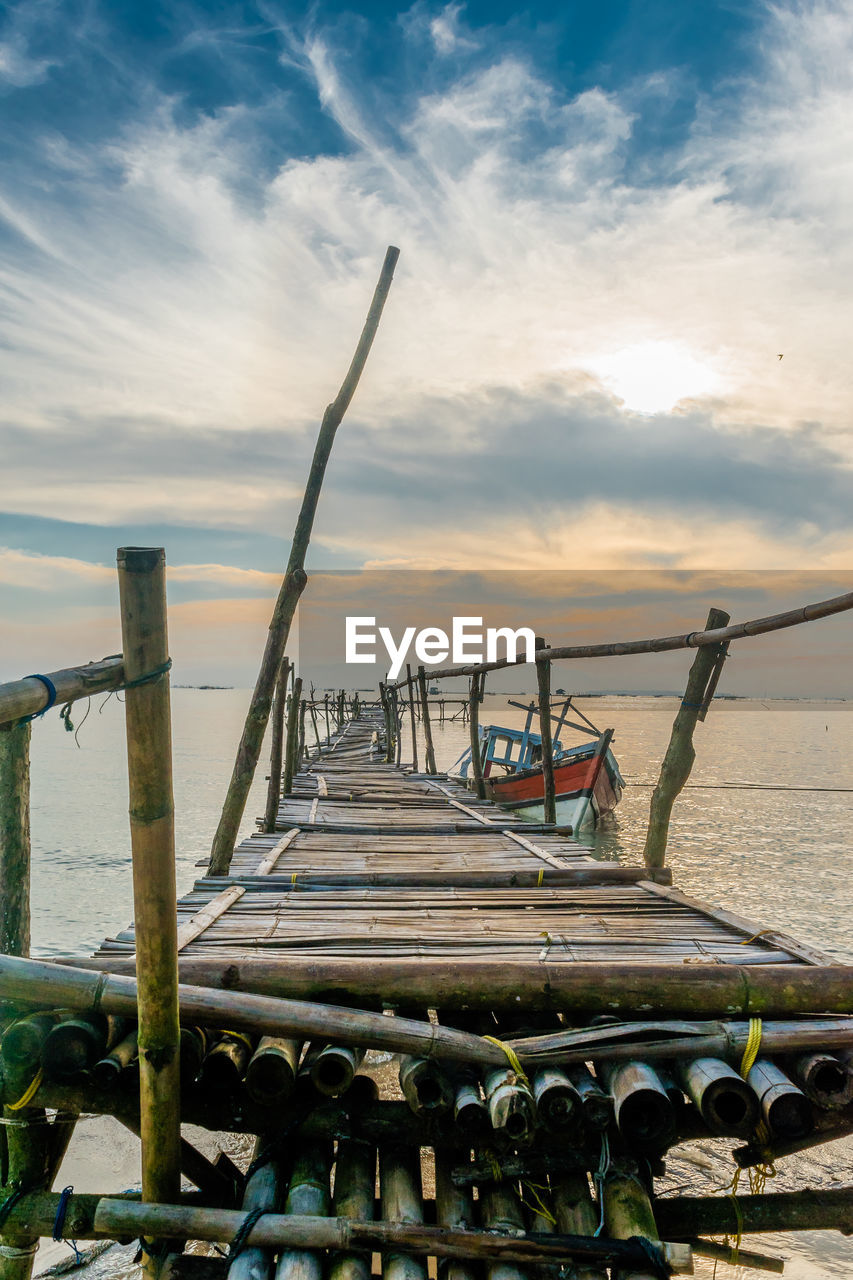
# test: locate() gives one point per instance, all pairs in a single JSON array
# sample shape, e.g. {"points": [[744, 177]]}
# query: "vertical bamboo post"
{"points": [[274, 788], [428, 747], [313, 708], [627, 1213], [300, 751], [680, 753], [411, 691], [543, 681], [478, 679], [292, 736], [15, 839], [142, 596], [249, 750], [328, 723], [398, 728]]}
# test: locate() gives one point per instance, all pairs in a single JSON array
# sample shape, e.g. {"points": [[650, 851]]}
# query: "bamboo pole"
{"points": [[398, 728], [292, 586], [410, 687], [627, 1213], [726, 990], [93, 1217], [666, 644], [274, 788], [428, 747], [543, 681], [300, 750], [475, 697], [292, 745], [355, 1185], [680, 754], [29, 696], [15, 839], [142, 594], [263, 1190], [401, 1197]]}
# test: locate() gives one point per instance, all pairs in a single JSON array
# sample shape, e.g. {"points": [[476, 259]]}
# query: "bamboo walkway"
{"points": [[370, 861]]}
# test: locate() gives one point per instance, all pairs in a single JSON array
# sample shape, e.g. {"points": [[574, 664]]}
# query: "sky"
{"points": [[614, 219]]}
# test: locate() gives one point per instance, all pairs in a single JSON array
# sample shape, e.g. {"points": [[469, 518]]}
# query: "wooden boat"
{"points": [[587, 780]]}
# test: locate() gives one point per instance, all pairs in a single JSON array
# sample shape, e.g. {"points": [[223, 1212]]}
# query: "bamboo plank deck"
{"points": [[371, 861]]}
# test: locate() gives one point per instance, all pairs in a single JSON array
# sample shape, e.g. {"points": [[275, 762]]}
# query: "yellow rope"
{"points": [[539, 1208], [26, 1096], [541, 877], [293, 879], [735, 1248], [753, 1044], [512, 1058], [238, 1035]]}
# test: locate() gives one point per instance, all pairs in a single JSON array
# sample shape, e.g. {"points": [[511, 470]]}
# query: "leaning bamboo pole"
{"points": [[292, 586], [290, 765], [475, 697], [543, 681], [680, 754], [425, 720], [411, 692], [142, 594]]}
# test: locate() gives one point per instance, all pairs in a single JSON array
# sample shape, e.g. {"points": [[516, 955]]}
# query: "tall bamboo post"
{"points": [[313, 708], [274, 788], [142, 597], [300, 751], [478, 679], [428, 747], [292, 737], [328, 724], [398, 727], [680, 753], [543, 681], [410, 685], [292, 586], [15, 839]]}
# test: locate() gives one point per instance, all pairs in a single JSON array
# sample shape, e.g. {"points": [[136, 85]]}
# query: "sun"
{"points": [[652, 377]]}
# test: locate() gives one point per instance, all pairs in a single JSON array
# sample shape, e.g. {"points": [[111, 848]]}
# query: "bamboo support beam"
{"points": [[410, 685], [726, 990], [19, 698], [290, 765], [543, 681], [274, 788], [428, 747], [680, 754], [15, 839], [292, 586], [475, 697], [93, 1217], [142, 593]]}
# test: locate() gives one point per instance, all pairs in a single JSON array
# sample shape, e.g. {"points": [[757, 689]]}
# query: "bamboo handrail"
{"points": [[661, 644], [27, 697]]}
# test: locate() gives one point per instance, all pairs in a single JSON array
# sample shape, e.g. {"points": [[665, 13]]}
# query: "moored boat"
{"points": [[587, 780]]}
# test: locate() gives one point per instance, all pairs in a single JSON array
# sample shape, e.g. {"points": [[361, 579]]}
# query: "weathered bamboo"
{"points": [[475, 697], [470, 1112], [680, 754], [263, 1191], [825, 1080], [226, 1062], [15, 838], [410, 686], [642, 1107], [745, 1259], [194, 1043], [575, 1213], [27, 697], [292, 745], [74, 1045], [500, 1211], [271, 1073], [142, 595], [596, 1105], [543, 682], [454, 1207], [825, 1208], [425, 720], [558, 1103], [274, 788], [650, 990], [292, 586], [628, 1213], [23, 1041], [511, 1106], [727, 1104], [785, 1108], [93, 1217], [333, 1069], [108, 1071], [308, 1194], [426, 1087], [398, 728], [667, 644], [401, 1198], [355, 1186], [328, 722]]}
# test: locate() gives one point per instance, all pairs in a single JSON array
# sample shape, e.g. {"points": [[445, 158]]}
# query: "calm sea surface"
{"points": [[765, 829]]}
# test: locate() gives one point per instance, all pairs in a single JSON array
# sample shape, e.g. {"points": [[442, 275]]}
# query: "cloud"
{"points": [[176, 315]]}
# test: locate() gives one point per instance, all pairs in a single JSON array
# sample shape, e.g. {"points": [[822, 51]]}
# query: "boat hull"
{"points": [[588, 785]]}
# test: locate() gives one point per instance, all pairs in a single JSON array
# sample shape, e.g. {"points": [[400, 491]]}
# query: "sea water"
{"points": [[763, 829]]}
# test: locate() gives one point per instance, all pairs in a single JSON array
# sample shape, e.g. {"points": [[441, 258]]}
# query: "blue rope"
{"points": [[51, 698], [59, 1224]]}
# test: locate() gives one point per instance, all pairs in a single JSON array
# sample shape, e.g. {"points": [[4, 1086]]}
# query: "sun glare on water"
{"points": [[652, 377]]}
